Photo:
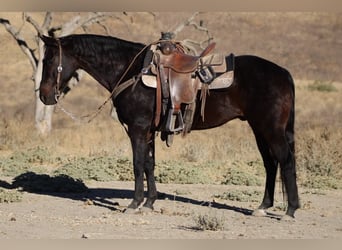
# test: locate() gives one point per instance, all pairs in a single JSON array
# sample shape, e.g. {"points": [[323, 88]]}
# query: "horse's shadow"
{"points": [[64, 186]]}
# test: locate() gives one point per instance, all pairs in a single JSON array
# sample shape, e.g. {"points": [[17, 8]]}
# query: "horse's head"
{"points": [[58, 68]]}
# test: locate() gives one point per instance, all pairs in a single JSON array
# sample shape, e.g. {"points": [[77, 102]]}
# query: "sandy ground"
{"points": [[98, 214]]}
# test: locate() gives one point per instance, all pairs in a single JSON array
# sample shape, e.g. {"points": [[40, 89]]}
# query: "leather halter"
{"points": [[59, 70]]}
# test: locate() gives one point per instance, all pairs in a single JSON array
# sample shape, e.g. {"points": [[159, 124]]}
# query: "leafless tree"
{"points": [[43, 113]]}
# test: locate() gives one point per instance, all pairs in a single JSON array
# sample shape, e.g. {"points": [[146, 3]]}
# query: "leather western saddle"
{"points": [[177, 69], [179, 76]]}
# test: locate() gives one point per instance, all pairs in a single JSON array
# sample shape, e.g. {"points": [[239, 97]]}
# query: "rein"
{"points": [[115, 92]]}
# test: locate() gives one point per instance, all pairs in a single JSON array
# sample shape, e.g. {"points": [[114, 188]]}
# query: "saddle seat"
{"points": [[178, 69], [173, 57]]}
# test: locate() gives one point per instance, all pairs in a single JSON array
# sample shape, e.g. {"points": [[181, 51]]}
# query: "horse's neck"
{"points": [[107, 78], [99, 78]]}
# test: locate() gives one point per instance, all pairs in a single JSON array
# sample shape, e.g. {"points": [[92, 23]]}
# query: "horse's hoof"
{"points": [[146, 210], [287, 218], [130, 211], [259, 213]]}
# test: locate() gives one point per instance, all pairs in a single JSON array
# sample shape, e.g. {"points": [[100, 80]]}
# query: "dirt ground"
{"points": [[98, 214]]}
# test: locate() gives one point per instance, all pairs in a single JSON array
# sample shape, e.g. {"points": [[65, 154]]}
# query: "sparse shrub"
{"points": [[10, 195], [23, 161], [241, 195], [98, 168], [177, 172], [322, 86], [319, 158], [238, 175], [209, 222], [37, 155]]}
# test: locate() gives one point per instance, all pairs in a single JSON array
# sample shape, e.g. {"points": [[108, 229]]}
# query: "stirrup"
{"points": [[169, 139], [171, 121]]}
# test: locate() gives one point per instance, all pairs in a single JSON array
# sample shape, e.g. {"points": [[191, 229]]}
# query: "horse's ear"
{"points": [[48, 40]]}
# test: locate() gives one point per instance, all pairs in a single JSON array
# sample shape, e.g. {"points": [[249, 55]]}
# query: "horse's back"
{"points": [[256, 77], [260, 70]]}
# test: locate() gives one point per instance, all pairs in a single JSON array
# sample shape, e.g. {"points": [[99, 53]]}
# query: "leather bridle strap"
{"points": [[59, 68]]}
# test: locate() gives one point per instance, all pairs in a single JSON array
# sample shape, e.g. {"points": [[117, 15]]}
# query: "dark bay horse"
{"points": [[262, 94]]}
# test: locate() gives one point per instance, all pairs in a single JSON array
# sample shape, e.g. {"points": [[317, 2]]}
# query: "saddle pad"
{"points": [[221, 82], [216, 61]]}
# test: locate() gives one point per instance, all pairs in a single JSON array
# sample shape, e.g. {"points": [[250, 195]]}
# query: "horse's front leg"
{"points": [[143, 163], [149, 172]]}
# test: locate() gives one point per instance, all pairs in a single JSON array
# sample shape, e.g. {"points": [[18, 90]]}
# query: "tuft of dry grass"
{"points": [[241, 195], [10, 195], [318, 135], [209, 221]]}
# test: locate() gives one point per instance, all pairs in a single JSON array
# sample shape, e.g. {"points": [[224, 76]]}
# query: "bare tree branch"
{"points": [[180, 27], [189, 43], [83, 21], [23, 24], [131, 17], [21, 42], [47, 21], [37, 27], [105, 27]]}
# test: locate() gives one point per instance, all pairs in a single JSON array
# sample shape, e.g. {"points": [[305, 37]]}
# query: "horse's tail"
{"points": [[289, 132]]}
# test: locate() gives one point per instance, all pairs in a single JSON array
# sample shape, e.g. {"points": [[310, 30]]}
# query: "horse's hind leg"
{"points": [[281, 149], [270, 165], [278, 148]]}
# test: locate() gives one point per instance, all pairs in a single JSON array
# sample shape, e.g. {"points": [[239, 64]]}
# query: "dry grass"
{"points": [[318, 135], [209, 222], [101, 150]]}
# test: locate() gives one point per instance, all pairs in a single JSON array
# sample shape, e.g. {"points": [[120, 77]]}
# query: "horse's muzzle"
{"points": [[47, 94], [48, 100]]}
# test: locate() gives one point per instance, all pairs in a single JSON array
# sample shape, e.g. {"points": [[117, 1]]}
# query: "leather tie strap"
{"points": [[158, 96]]}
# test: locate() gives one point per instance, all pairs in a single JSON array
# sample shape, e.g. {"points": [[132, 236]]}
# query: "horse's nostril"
{"points": [[42, 98]]}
